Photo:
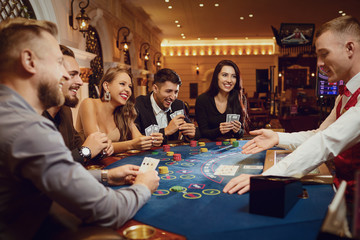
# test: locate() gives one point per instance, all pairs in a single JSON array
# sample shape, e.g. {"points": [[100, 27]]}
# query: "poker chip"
{"points": [[163, 170], [177, 189], [201, 144], [169, 153], [154, 153], [232, 140], [218, 143], [235, 144], [177, 157], [193, 143], [166, 148], [226, 143], [203, 149]]}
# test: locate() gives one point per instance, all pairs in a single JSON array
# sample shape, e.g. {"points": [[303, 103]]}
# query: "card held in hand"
{"points": [[149, 164]]}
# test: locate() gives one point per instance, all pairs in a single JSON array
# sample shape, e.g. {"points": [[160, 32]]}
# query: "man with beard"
{"points": [[36, 167], [162, 108], [61, 116]]}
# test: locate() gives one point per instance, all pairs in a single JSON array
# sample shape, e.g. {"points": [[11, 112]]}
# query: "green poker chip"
{"points": [[154, 153], [177, 189]]}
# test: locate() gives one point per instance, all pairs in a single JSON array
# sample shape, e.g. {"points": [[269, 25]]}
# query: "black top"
{"points": [[146, 116], [209, 119], [64, 123]]}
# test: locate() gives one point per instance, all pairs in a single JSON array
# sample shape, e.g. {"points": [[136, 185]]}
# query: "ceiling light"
{"points": [[167, 0], [216, 4], [241, 18], [341, 11], [201, 4], [246, 38], [176, 21], [251, 15], [169, 7], [178, 25], [183, 37], [343, 14], [182, 34], [215, 38], [199, 38]]}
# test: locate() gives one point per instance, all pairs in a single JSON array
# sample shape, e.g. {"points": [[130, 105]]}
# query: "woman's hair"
{"points": [[236, 100], [124, 115]]}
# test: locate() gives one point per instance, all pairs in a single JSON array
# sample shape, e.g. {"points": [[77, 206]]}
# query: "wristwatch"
{"points": [[104, 176], [85, 152]]}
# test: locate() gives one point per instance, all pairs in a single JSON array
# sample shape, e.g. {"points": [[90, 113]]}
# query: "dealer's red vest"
{"points": [[348, 161]]}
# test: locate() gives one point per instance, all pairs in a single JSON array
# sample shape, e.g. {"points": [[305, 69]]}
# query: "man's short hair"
{"points": [[167, 74], [20, 32], [341, 26], [67, 51]]}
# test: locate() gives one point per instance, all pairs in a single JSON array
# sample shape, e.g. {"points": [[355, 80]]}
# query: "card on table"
{"points": [[148, 164], [226, 170]]}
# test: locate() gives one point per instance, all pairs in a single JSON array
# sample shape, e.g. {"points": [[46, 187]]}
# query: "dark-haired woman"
{"points": [[114, 114], [223, 97]]}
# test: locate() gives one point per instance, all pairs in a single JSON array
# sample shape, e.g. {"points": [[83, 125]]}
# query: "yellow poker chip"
{"points": [[163, 170], [169, 153], [203, 149], [232, 140], [201, 144]]}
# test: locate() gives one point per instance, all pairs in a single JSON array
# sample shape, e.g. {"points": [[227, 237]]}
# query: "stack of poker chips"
{"points": [[218, 143], [177, 157], [193, 143], [203, 150], [163, 170], [169, 153], [166, 148], [226, 143], [201, 144], [232, 140], [235, 144]]}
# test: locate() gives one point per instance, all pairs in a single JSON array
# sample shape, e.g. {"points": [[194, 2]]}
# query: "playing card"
{"points": [[148, 130], [156, 128], [228, 117], [226, 170], [181, 111], [149, 164], [234, 117]]}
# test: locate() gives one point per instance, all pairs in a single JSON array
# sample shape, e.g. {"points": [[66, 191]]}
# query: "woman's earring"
{"points": [[107, 96]]}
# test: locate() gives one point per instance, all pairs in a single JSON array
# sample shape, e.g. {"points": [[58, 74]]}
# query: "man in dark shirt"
{"points": [[161, 107], [61, 116]]}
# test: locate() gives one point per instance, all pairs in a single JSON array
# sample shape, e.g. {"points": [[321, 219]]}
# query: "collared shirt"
{"points": [[37, 168], [160, 115], [315, 147]]}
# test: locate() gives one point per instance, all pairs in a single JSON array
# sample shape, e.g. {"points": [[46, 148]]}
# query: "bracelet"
{"points": [[104, 176]]}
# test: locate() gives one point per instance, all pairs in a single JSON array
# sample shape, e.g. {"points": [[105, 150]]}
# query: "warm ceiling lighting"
{"points": [[251, 15], [178, 25], [343, 14], [201, 4], [199, 39], [216, 4], [341, 11], [167, 0], [183, 37], [169, 7], [176, 21], [241, 18], [215, 38], [182, 34]]}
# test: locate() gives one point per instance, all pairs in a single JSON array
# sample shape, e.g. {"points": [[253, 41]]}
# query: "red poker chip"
{"points": [[177, 157]]}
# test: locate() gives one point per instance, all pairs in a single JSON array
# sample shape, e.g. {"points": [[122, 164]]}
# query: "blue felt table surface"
{"points": [[204, 212]]}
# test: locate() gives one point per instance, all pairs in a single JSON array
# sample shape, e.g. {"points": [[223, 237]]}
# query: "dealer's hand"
{"points": [[266, 139], [239, 184]]}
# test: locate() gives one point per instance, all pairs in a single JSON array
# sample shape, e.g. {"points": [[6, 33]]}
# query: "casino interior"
{"points": [[284, 88]]}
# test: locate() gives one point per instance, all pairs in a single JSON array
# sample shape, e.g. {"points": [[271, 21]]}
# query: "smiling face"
{"points": [[51, 72], [165, 94], [226, 79], [120, 88], [71, 87], [333, 56]]}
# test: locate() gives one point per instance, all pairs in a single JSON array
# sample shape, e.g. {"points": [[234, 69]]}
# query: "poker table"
{"points": [[202, 211]]}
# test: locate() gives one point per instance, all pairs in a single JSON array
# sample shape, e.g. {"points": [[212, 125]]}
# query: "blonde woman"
{"points": [[114, 114]]}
